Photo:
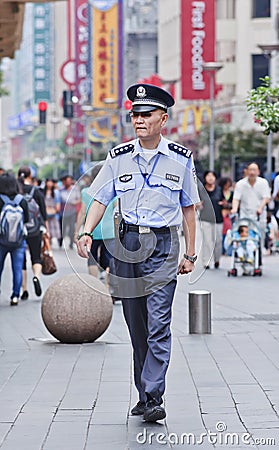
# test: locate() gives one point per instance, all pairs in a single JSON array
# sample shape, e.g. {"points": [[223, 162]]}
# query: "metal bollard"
{"points": [[199, 312]]}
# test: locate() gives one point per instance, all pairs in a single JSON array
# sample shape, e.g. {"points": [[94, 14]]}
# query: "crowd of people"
{"points": [[63, 215], [36, 212], [224, 202]]}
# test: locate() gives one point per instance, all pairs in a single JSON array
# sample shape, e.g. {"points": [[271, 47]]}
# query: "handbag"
{"points": [[48, 263]]}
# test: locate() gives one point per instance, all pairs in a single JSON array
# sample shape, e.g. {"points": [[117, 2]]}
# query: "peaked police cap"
{"points": [[147, 97]]}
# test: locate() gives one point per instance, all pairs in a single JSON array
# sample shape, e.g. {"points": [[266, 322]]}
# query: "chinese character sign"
{"points": [[106, 51], [197, 47], [81, 49], [42, 63]]}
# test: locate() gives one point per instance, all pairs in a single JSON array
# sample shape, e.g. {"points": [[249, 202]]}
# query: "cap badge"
{"points": [[141, 92]]}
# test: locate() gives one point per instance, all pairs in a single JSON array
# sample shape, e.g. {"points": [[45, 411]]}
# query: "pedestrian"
{"points": [[246, 246], [70, 202], [103, 235], [9, 193], [210, 208], [35, 229], [251, 195], [275, 196], [53, 205], [155, 180], [225, 184]]}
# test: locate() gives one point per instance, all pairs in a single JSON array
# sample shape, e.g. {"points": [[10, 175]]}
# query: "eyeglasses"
{"points": [[142, 114]]}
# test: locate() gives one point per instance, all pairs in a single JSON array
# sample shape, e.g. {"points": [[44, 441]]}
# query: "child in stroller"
{"points": [[244, 239]]}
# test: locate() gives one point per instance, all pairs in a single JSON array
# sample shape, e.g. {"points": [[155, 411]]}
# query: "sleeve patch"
{"points": [[184, 151], [121, 150]]}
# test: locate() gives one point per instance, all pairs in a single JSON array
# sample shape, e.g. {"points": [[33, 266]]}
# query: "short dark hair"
{"points": [[209, 171], [96, 169], [224, 180], [8, 184], [241, 228]]}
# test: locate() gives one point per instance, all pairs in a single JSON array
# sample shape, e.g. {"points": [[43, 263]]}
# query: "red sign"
{"points": [[81, 44], [81, 62], [197, 47], [128, 105]]}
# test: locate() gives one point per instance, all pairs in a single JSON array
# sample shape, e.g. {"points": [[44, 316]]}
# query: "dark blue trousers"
{"points": [[146, 266]]}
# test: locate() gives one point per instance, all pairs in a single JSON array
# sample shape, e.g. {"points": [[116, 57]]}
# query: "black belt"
{"points": [[144, 230]]}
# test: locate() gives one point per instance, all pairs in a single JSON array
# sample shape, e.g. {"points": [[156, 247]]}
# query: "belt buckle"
{"points": [[144, 230]]}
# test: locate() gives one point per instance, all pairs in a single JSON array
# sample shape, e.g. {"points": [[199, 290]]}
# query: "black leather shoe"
{"points": [[153, 411], [24, 295], [37, 286], [138, 410]]}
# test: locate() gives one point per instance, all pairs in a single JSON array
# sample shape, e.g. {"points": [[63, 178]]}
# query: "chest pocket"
{"points": [[122, 187], [162, 182]]}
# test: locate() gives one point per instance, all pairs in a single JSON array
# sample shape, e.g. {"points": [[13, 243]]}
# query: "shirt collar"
{"points": [[162, 147]]}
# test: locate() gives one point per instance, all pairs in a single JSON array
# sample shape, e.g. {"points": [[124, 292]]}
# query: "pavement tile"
{"points": [[103, 436], [69, 435]]}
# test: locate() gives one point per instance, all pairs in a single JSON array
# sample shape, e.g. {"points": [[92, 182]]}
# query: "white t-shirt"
{"points": [[276, 191], [251, 196], [147, 153]]}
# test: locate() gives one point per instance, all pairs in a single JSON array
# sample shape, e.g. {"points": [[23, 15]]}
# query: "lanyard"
{"points": [[145, 175]]}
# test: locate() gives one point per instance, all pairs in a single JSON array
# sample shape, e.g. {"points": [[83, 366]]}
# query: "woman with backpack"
{"points": [[13, 215], [35, 227]]}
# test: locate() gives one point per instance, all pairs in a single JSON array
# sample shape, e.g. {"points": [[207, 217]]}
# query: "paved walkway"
{"points": [[77, 397]]}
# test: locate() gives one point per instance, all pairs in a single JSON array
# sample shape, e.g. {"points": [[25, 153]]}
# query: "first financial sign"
{"points": [[197, 47]]}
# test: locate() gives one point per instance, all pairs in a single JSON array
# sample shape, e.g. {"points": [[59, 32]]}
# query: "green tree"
{"points": [[229, 145], [264, 103], [3, 91]]}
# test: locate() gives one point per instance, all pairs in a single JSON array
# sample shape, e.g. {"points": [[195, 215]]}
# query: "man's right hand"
{"points": [[84, 246]]}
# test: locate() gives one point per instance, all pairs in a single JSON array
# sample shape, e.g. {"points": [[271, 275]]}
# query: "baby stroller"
{"points": [[245, 251]]}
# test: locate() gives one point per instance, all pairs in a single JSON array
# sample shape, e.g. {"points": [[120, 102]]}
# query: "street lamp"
{"points": [[87, 110], [54, 122], [211, 67], [269, 50]]}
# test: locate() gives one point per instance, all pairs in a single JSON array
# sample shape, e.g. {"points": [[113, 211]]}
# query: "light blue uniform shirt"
{"points": [[153, 192]]}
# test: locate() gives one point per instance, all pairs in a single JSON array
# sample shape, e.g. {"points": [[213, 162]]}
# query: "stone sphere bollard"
{"points": [[77, 308]]}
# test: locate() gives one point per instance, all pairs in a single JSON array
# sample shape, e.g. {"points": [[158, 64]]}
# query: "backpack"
{"points": [[12, 230], [35, 221]]}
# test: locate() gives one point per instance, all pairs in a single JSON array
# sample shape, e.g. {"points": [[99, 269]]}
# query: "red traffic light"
{"points": [[42, 106], [128, 105]]}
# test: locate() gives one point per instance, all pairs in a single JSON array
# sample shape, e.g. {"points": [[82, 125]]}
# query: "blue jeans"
{"points": [[17, 257]]}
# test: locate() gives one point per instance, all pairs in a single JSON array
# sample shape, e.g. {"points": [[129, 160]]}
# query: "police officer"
{"points": [[155, 181]]}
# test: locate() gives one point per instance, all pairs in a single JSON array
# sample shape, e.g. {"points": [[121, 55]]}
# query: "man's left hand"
{"points": [[185, 266]]}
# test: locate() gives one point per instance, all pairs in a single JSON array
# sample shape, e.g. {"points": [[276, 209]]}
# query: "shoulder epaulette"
{"points": [[121, 150], [184, 151]]}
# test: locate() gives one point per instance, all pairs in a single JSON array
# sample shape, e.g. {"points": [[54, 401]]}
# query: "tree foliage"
{"points": [[264, 103], [3, 91], [237, 144]]}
